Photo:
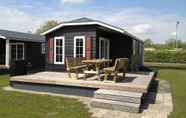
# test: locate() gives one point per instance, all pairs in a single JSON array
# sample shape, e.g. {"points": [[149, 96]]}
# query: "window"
{"points": [[43, 48], [59, 50], [17, 51], [79, 46]]}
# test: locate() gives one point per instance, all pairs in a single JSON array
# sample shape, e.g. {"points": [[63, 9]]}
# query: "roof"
{"points": [[88, 21], [19, 36]]}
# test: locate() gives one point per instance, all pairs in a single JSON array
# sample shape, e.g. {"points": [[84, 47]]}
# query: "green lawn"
{"points": [[166, 65], [177, 78], [21, 105]]}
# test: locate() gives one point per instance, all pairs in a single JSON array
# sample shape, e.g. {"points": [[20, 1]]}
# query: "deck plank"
{"points": [[133, 82]]}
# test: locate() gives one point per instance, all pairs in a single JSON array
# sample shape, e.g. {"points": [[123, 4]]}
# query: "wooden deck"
{"points": [[133, 82]]}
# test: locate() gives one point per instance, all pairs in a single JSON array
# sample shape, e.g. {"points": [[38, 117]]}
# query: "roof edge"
{"points": [[91, 23], [2, 37]]}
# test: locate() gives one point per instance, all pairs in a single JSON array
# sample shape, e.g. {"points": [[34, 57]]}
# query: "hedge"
{"points": [[165, 56]]}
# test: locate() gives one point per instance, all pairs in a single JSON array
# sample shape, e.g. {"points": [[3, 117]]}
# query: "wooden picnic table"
{"points": [[97, 63]]}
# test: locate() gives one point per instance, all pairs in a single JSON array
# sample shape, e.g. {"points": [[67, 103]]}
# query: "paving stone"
{"points": [[115, 95], [115, 105]]}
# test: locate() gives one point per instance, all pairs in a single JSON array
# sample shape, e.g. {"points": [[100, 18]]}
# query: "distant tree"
{"points": [[171, 43], [148, 43], [46, 26], [183, 45]]}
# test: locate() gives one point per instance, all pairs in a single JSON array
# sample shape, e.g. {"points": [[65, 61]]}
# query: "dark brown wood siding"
{"points": [[69, 33], [33, 54], [120, 45], [2, 51]]}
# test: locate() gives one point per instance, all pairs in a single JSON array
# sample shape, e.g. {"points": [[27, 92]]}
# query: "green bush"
{"points": [[165, 56]]}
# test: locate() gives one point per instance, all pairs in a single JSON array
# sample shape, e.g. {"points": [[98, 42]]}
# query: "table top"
{"points": [[97, 61]]}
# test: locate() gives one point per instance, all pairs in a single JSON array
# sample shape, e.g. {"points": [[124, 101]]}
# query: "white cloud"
{"points": [[173, 33], [14, 19], [158, 27], [73, 1], [141, 28]]}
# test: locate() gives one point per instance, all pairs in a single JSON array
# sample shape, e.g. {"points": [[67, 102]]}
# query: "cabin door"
{"points": [[59, 50], [104, 48]]}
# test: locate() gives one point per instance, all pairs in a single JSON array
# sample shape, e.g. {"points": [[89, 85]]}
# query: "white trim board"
{"points": [[2, 37], [91, 23], [63, 46], [77, 37]]}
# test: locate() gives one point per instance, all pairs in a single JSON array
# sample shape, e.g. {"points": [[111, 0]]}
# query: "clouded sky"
{"points": [[155, 19]]}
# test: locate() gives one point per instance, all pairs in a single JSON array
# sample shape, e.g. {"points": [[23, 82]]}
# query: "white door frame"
{"points": [[63, 55]]}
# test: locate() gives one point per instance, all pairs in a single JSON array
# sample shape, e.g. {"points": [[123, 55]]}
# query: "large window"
{"points": [[79, 46], [59, 50], [17, 51]]}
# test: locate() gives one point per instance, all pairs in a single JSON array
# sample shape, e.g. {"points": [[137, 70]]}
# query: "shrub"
{"points": [[165, 56]]}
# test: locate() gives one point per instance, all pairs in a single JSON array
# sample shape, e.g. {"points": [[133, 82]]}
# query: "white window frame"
{"points": [[108, 47], [43, 48], [63, 40], [79, 37], [23, 58]]}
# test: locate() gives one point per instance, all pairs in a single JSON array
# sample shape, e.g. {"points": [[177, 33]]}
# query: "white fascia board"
{"points": [[83, 23], [90, 23], [2, 37], [67, 24], [110, 27]]}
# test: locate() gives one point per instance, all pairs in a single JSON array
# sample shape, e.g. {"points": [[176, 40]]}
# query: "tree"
{"points": [[46, 26], [171, 43], [148, 43]]}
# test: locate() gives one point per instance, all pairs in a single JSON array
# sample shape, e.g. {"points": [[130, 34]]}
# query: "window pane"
{"points": [[80, 50], [13, 52], [81, 43], [59, 50], [57, 42], [79, 47], [61, 43]]}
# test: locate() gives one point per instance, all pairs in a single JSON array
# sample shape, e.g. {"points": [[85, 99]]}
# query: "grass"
{"points": [[177, 79], [22, 105], [166, 65]]}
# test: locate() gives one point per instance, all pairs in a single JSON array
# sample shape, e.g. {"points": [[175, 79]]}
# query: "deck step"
{"points": [[115, 95], [115, 105]]}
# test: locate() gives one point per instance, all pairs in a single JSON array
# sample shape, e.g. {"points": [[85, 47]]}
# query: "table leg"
{"points": [[98, 72]]}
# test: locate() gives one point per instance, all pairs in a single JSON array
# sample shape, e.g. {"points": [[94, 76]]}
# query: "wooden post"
{"points": [[7, 54]]}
